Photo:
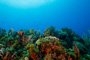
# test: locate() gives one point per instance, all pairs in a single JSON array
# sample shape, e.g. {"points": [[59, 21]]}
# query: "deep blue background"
{"points": [[74, 14]]}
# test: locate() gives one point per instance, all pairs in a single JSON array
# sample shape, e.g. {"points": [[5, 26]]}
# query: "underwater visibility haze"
{"points": [[44, 29], [40, 14]]}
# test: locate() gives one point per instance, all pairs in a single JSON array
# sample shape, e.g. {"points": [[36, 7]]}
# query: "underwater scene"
{"points": [[44, 29]]}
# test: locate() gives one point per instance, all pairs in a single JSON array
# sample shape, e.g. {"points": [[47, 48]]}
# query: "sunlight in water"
{"points": [[26, 3]]}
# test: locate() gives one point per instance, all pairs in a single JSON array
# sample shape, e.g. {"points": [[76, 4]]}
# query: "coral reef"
{"points": [[63, 44]]}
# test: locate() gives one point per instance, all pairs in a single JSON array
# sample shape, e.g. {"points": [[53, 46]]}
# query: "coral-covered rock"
{"points": [[51, 45]]}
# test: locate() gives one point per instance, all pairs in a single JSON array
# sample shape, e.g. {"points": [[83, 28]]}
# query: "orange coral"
{"points": [[76, 50], [4, 58], [19, 33], [26, 39], [69, 58], [33, 56], [54, 47]]}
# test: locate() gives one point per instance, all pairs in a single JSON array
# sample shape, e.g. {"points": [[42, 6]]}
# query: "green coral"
{"points": [[86, 40], [1, 45], [87, 56], [57, 43], [27, 46], [32, 31], [32, 47], [10, 49], [50, 31], [72, 55]]}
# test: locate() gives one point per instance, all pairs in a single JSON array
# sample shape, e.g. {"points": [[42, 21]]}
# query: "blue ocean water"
{"points": [[74, 14]]}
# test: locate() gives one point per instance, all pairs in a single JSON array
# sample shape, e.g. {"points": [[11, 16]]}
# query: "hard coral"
{"points": [[32, 31], [19, 33], [51, 38], [50, 31]]}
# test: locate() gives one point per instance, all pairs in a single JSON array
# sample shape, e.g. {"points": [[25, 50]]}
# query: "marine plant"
{"points": [[86, 39], [68, 36]]}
